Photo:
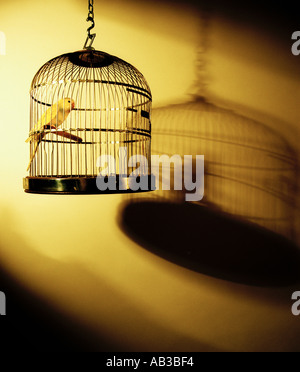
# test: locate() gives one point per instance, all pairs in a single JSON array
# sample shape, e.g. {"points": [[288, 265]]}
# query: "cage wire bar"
{"points": [[110, 117]]}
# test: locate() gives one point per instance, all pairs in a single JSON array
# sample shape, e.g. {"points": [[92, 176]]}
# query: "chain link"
{"points": [[91, 11], [90, 38]]}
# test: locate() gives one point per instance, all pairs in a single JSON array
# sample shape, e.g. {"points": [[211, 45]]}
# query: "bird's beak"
{"points": [[73, 105]]}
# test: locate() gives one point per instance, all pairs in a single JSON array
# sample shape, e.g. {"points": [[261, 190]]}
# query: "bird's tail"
{"points": [[33, 136], [33, 154]]}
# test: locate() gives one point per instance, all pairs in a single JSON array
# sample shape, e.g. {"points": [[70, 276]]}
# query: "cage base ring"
{"points": [[83, 185]]}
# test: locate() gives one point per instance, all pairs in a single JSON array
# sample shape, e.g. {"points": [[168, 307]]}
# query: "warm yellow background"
{"points": [[69, 249]]}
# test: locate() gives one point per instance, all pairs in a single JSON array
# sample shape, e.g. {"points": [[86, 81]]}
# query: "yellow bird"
{"points": [[52, 118]]}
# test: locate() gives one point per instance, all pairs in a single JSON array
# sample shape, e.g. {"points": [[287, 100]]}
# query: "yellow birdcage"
{"points": [[89, 115]]}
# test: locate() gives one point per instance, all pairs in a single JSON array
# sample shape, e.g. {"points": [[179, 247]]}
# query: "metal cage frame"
{"points": [[111, 116]]}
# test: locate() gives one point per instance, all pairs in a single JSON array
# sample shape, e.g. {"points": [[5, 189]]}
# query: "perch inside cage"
{"points": [[87, 106]]}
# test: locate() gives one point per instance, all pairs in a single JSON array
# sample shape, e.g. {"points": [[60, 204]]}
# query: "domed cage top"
{"points": [[89, 115]]}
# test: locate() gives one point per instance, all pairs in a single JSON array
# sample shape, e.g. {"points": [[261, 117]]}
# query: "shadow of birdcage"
{"points": [[242, 229], [250, 170]]}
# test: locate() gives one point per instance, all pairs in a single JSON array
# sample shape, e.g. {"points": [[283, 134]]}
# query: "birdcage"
{"points": [[90, 128]]}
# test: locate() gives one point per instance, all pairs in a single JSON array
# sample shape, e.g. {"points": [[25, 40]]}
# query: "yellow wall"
{"points": [[70, 249]]}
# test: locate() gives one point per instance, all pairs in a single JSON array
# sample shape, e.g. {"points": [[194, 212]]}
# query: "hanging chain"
{"points": [[91, 37]]}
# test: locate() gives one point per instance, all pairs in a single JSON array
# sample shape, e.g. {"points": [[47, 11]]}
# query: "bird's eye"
{"points": [[69, 101]]}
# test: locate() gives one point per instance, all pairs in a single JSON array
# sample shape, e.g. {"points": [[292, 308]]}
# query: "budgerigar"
{"points": [[52, 118]]}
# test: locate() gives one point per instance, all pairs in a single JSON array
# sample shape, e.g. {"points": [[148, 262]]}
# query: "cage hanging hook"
{"points": [[91, 37]]}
